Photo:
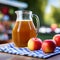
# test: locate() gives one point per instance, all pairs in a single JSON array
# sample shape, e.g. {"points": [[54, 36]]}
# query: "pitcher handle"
{"points": [[38, 22]]}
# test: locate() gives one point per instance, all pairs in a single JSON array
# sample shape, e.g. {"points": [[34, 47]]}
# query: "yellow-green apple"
{"points": [[57, 39], [34, 43], [48, 46]]}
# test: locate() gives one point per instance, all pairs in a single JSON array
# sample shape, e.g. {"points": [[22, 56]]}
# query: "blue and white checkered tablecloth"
{"points": [[10, 48]]}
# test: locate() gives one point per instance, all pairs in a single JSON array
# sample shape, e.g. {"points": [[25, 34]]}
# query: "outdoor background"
{"points": [[47, 10]]}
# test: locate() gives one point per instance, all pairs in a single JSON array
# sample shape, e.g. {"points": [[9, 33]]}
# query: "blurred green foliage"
{"points": [[56, 15], [46, 36], [53, 17]]}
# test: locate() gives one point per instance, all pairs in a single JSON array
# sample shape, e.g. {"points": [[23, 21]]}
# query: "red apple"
{"points": [[5, 10], [57, 39], [48, 46], [34, 43]]}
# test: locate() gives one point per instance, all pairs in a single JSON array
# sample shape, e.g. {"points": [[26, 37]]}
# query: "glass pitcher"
{"points": [[24, 28]]}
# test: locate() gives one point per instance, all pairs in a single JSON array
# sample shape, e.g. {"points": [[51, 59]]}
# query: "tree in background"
{"points": [[48, 17], [52, 17], [56, 15]]}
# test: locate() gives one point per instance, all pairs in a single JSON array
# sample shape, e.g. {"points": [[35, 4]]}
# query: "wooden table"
{"points": [[6, 56]]}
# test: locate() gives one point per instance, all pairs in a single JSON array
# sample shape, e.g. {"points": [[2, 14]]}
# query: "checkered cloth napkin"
{"points": [[10, 48]]}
